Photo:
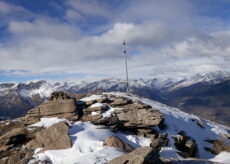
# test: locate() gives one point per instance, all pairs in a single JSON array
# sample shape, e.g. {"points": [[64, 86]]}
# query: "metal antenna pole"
{"points": [[126, 67]]}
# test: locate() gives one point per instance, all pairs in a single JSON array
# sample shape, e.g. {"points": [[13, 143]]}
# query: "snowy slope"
{"points": [[88, 138], [177, 121], [212, 77], [42, 88]]}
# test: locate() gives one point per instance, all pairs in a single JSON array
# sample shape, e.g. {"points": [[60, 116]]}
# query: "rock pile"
{"points": [[133, 116]]}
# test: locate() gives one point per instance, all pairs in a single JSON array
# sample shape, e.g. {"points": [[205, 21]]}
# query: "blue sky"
{"points": [[82, 39]]}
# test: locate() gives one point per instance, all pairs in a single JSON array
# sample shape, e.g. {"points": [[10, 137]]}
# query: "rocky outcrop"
{"points": [[124, 114], [143, 155], [114, 141], [58, 108], [60, 105], [51, 138], [133, 116], [186, 145], [59, 95], [13, 138], [139, 117]]}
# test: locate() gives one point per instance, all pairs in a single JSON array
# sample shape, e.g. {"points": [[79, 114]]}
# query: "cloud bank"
{"points": [[164, 39]]}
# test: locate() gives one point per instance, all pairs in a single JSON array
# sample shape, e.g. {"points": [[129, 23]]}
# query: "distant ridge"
{"points": [[190, 94]]}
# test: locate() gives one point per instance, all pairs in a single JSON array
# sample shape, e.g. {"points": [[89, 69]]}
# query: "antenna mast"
{"points": [[126, 67]]}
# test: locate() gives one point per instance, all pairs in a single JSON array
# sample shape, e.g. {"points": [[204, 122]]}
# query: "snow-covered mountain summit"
{"points": [[44, 88]]}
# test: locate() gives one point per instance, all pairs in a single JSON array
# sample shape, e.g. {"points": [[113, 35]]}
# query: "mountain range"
{"points": [[206, 95]]}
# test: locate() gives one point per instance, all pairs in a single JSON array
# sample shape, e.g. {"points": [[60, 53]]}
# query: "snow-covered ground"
{"points": [[88, 139], [223, 157], [177, 121], [88, 146]]}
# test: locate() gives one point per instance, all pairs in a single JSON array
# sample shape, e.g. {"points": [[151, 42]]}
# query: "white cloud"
{"points": [[90, 8], [164, 43], [6, 8]]}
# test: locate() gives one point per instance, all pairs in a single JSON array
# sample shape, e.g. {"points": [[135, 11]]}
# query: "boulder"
{"points": [[142, 155], [114, 141], [52, 138], [139, 118], [58, 108]]}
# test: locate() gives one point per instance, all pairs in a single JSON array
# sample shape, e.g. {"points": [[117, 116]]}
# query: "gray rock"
{"points": [[54, 137], [139, 118], [143, 155], [58, 108]]}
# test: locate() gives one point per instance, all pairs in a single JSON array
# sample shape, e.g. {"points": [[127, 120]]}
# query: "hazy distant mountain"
{"points": [[206, 95]]}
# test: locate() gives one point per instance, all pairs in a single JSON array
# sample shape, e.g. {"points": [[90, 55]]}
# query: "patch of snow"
{"points": [[223, 157], [109, 112], [133, 140], [92, 97], [47, 122], [88, 146], [94, 113], [96, 105], [168, 152]]}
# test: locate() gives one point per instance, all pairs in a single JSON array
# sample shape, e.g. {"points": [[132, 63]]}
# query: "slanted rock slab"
{"points": [[58, 108], [54, 137], [142, 155]]}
